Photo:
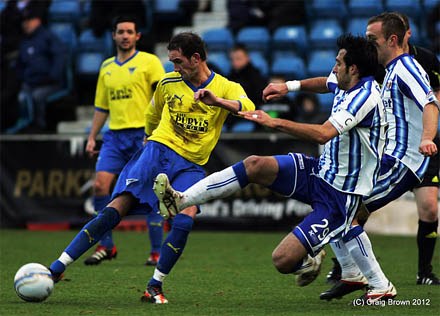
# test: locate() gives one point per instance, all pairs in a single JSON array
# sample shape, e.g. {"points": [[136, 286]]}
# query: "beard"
{"points": [[125, 49]]}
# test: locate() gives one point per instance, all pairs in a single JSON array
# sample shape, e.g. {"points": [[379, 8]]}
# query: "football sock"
{"points": [[87, 237], [348, 266], [173, 245], [359, 246], [155, 230], [217, 185], [426, 238], [306, 261], [100, 202]]}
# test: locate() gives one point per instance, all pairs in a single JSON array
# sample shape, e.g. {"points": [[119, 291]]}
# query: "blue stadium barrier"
{"points": [[290, 38], [290, 68], [321, 63], [254, 38], [220, 39], [324, 33], [259, 62], [365, 8]]}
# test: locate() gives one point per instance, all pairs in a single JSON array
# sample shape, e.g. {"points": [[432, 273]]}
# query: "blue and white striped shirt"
{"points": [[405, 92], [350, 162]]}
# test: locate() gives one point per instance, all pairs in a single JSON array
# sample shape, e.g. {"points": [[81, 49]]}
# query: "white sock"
{"points": [[217, 185], [65, 259], [159, 276], [348, 266], [362, 253]]}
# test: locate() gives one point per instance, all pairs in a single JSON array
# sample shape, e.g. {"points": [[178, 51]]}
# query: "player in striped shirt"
{"points": [[333, 184]]}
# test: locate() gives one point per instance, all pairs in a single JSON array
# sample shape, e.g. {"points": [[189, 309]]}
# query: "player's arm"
{"points": [[235, 99], [98, 122], [153, 112], [430, 125], [319, 133], [276, 90]]}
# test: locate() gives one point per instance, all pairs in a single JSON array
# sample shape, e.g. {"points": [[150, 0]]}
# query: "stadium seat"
{"points": [[220, 39], [167, 10], [259, 62], [409, 7], [66, 33], [89, 63], [324, 33], [290, 38], [289, 67], [325, 101], [2, 5], [89, 43], [254, 38], [243, 127], [367, 8], [321, 63], [328, 9], [357, 26], [168, 66], [283, 53], [65, 11], [221, 61]]}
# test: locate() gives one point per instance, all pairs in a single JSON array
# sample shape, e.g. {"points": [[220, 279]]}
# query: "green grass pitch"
{"points": [[220, 273]]}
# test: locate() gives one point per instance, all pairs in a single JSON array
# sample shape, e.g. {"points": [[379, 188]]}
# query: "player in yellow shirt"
{"points": [[184, 122], [126, 84]]}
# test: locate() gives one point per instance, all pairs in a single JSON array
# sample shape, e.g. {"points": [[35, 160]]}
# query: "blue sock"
{"points": [[155, 230], [240, 171], [100, 203], [174, 244]]}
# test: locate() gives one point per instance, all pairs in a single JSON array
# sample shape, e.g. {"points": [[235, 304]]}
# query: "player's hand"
{"points": [[145, 141], [274, 90], [258, 116], [427, 148], [206, 96], [90, 147]]}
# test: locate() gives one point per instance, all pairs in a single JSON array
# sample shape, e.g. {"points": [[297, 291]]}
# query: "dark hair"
{"points": [[189, 43], [404, 19], [360, 52], [122, 19], [241, 47], [391, 24]]}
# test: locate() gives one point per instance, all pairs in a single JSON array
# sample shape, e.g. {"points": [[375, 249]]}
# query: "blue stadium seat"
{"points": [[283, 53], [221, 61], [168, 66], [89, 63], [328, 9], [321, 63], [259, 62], [2, 5], [325, 101], [89, 43], [324, 33], [220, 39], [289, 67], [411, 8], [290, 38], [365, 8], [66, 33], [65, 11], [167, 10], [254, 38], [357, 26], [243, 127]]}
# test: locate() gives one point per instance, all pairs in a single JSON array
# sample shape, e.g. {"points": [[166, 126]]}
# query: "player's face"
{"points": [[125, 36], [341, 71], [374, 33], [186, 67]]}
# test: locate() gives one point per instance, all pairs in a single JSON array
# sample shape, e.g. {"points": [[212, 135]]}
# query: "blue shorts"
{"points": [[333, 210], [117, 149], [394, 180], [139, 173]]}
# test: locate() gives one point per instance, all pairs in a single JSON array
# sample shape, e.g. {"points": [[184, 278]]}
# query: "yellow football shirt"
{"points": [[124, 89], [190, 128]]}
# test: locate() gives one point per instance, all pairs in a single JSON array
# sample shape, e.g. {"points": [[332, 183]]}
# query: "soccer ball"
{"points": [[33, 282]]}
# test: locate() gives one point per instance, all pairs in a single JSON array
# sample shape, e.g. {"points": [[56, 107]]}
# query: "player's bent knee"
{"points": [[282, 262]]}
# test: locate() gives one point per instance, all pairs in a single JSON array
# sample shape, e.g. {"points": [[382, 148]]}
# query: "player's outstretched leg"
{"points": [[351, 277], [106, 250], [359, 246], [155, 231], [91, 233]]}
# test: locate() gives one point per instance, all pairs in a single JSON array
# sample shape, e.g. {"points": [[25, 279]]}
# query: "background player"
{"points": [[333, 184], [125, 86], [184, 122]]}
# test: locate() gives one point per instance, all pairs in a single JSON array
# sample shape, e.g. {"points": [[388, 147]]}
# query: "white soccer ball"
{"points": [[33, 282]]}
